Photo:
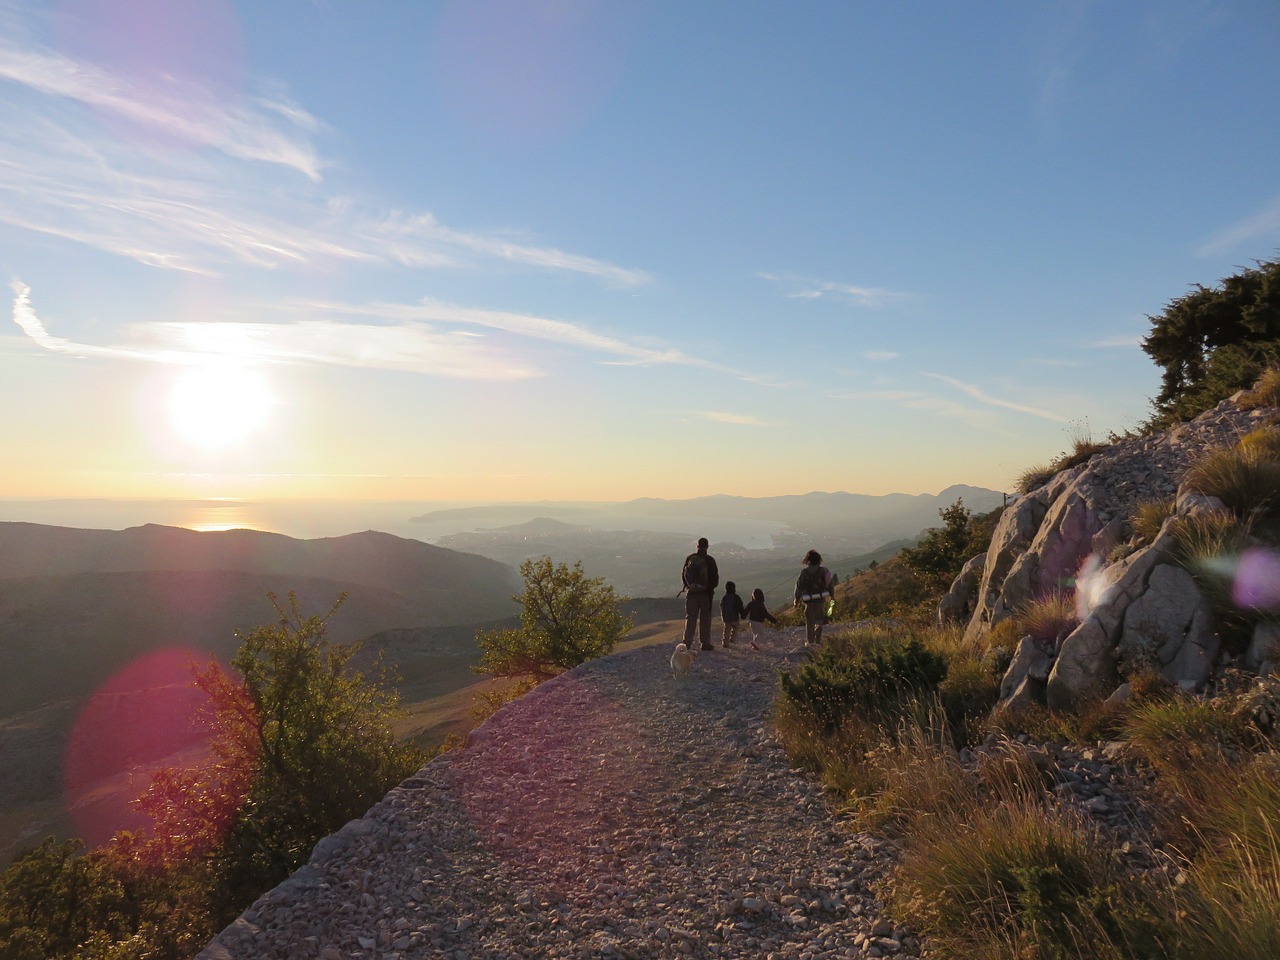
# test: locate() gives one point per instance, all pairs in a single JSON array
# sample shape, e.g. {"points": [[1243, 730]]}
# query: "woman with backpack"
{"points": [[814, 589]]}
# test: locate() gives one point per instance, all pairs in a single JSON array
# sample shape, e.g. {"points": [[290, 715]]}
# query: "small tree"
{"points": [[301, 743], [942, 551], [567, 618], [321, 732]]}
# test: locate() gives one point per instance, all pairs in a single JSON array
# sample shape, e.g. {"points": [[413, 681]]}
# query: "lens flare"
{"points": [[142, 715], [1256, 584]]}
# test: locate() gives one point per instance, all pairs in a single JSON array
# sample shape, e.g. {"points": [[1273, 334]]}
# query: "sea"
{"points": [[314, 519]]}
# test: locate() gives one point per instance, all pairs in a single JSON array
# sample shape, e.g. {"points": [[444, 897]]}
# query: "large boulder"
{"points": [[1087, 661], [1170, 627], [1023, 684], [1011, 538], [1062, 537], [957, 604]]}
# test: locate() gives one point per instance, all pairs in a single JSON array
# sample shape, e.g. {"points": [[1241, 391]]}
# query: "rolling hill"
{"points": [[99, 630]]}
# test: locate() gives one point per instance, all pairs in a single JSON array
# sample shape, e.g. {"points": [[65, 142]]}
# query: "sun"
{"points": [[219, 405]]}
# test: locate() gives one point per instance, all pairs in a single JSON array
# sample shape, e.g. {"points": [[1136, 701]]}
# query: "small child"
{"points": [[731, 609], [756, 613]]}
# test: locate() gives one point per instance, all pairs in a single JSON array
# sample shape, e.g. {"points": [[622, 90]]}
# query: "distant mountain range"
{"points": [[850, 530], [872, 519], [98, 628]]}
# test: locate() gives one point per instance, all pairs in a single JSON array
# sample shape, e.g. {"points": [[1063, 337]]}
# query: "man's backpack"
{"points": [[697, 573], [812, 582]]}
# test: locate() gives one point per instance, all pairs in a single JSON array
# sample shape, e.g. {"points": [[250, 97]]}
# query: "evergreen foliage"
{"points": [[1215, 341], [865, 681]]}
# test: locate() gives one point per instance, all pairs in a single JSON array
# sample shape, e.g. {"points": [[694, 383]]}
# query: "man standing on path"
{"points": [[701, 577]]}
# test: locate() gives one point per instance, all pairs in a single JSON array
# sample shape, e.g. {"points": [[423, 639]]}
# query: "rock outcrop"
{"points": [[1139, 608]]}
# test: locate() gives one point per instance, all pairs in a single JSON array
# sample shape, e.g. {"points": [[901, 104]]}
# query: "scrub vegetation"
{"points": [[301, 743], [897, 720]]}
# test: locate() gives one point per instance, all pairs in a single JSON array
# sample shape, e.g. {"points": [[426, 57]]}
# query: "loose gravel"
{"points": [[613, 812]]}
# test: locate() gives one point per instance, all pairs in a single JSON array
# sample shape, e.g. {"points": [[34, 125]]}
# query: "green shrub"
{"points": [[1181, 733], [1207, 546], [870, 681], [968, 695]]}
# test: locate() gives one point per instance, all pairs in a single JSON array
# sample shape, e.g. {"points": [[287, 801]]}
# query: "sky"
{"points": [[573, 250]]}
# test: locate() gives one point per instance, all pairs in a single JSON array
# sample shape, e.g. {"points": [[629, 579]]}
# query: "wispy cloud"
{"points": [[182, 110], [922, 401], [977, 393], [1118, 340], [217, 185], [734, 418], [1055, 362], [429, 233], [880, 356], [1264, 224], [806, 288], [413, 347], [429, 337]]}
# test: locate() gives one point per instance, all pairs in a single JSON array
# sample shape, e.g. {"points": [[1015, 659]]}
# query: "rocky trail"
{"points": [[612, 812]]}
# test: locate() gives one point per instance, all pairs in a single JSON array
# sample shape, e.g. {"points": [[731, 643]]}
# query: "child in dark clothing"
{"points": [[731, 609], [756, 613]]}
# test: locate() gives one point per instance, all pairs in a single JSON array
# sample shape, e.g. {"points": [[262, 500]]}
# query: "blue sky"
{"points": [[573, 250]]}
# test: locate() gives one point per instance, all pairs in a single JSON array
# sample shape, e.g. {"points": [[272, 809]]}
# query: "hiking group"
{"points": [[700, 575]]}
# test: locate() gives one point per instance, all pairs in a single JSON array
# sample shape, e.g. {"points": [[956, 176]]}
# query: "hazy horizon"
{"points": [[600, 251], [316, 518]]}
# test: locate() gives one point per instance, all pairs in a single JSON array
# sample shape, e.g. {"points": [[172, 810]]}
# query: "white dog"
{"points": [[681, 661]]}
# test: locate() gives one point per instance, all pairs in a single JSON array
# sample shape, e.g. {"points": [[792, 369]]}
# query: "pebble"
{"points": [[614, 813]]}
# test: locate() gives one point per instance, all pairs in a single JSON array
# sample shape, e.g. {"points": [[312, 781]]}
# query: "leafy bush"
{"points": [[566, 618], [941, 553], [1213, 342], [869, 681], [325, 749]]}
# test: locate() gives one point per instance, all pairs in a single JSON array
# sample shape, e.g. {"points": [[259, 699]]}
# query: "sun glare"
{"points": [[218, 406]]}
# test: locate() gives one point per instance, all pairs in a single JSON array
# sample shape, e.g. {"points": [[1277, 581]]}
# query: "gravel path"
{"points": [[612, 812]]}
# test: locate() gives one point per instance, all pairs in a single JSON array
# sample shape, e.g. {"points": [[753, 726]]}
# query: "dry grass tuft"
{"points": [[1033, 478], [1263, 443], [1265, 393], [1048, 619], [1247, 481], [1149, 516]]}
